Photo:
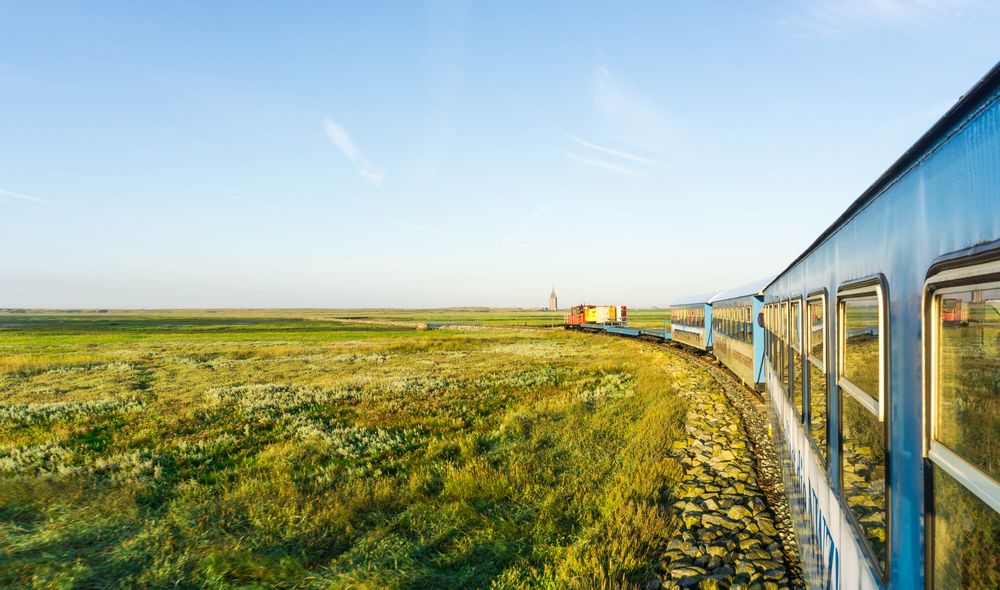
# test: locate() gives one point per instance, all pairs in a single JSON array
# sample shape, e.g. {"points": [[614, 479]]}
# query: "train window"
{"points": [[795, 354], [964, 422], [817, 330], [775, 333], [783, 344], [767, 328], [771, 338], [863, 444], [816, 369], [860, 346]]}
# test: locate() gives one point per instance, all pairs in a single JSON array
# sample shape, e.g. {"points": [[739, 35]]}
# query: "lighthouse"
{"points": [[553, 301]]}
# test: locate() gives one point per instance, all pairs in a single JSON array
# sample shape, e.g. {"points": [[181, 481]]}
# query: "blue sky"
{"points": [[196, 154]]}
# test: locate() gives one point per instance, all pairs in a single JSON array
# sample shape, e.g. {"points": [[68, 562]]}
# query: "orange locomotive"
{"points": [[597, 314]]}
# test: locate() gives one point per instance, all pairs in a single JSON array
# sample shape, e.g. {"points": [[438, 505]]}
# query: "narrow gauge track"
{"points": [[751, 408]]}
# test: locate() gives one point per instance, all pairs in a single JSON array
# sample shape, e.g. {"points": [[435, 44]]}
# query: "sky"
{"points": [[408, 154]]}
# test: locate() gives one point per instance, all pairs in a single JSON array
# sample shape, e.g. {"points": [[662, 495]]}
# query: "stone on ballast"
{"points": [[738, 512], [691, 519], [717, 551], [774, 574], [767, 527], [766, 565]]}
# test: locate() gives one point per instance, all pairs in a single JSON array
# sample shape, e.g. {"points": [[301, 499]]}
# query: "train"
{"points": [[609, 315], [877, 351]]}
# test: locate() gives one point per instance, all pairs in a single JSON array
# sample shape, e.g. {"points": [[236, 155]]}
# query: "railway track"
{"points": [[751, 408]]}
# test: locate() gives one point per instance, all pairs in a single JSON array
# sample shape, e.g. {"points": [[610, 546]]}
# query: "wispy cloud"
{"points": [[602, 164], [834, 18], [631, 116], [525, 223], [22, 196], [539, 211], [613, 152], [340, 138], [432, 230]]}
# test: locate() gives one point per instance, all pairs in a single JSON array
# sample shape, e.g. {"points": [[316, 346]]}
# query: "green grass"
{"points": [[274, 449], [649, 318], [251, 320]]}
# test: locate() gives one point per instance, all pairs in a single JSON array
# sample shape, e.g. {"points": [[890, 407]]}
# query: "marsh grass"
{"points": [[276, 454]]}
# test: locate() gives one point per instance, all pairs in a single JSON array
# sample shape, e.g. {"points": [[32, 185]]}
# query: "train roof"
{"points": [[754, 288], [966, 105], [694, 299]]}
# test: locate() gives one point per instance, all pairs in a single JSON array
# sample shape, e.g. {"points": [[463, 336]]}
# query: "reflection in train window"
{"points": [[817, 377], [783, 345], [767, 334], [774, 339], [965, 444], [863, 451], [966, 537], [775, 365], [795, 352], [817, 331], [863, 476], [861, 343], [967, 409]]}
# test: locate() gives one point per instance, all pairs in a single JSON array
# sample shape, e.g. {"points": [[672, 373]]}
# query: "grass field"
{"points": [[472, 316], [224, 449]]}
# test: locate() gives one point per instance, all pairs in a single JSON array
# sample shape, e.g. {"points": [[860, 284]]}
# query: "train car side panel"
{"points": [[941, 201]]}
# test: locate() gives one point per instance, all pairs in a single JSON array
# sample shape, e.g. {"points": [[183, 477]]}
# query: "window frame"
{"points": [[797, 300], [937, 285], [783, 345], [820, 364], [878, 285], [795, 348], [877, 405], [821, 297]]}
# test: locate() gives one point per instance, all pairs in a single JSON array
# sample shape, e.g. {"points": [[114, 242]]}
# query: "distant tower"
{"points": [[553, 302]]}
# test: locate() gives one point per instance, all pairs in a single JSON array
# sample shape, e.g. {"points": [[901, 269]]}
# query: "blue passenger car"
{"points": [[688, 320], [883, 369], [737, 335]]}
